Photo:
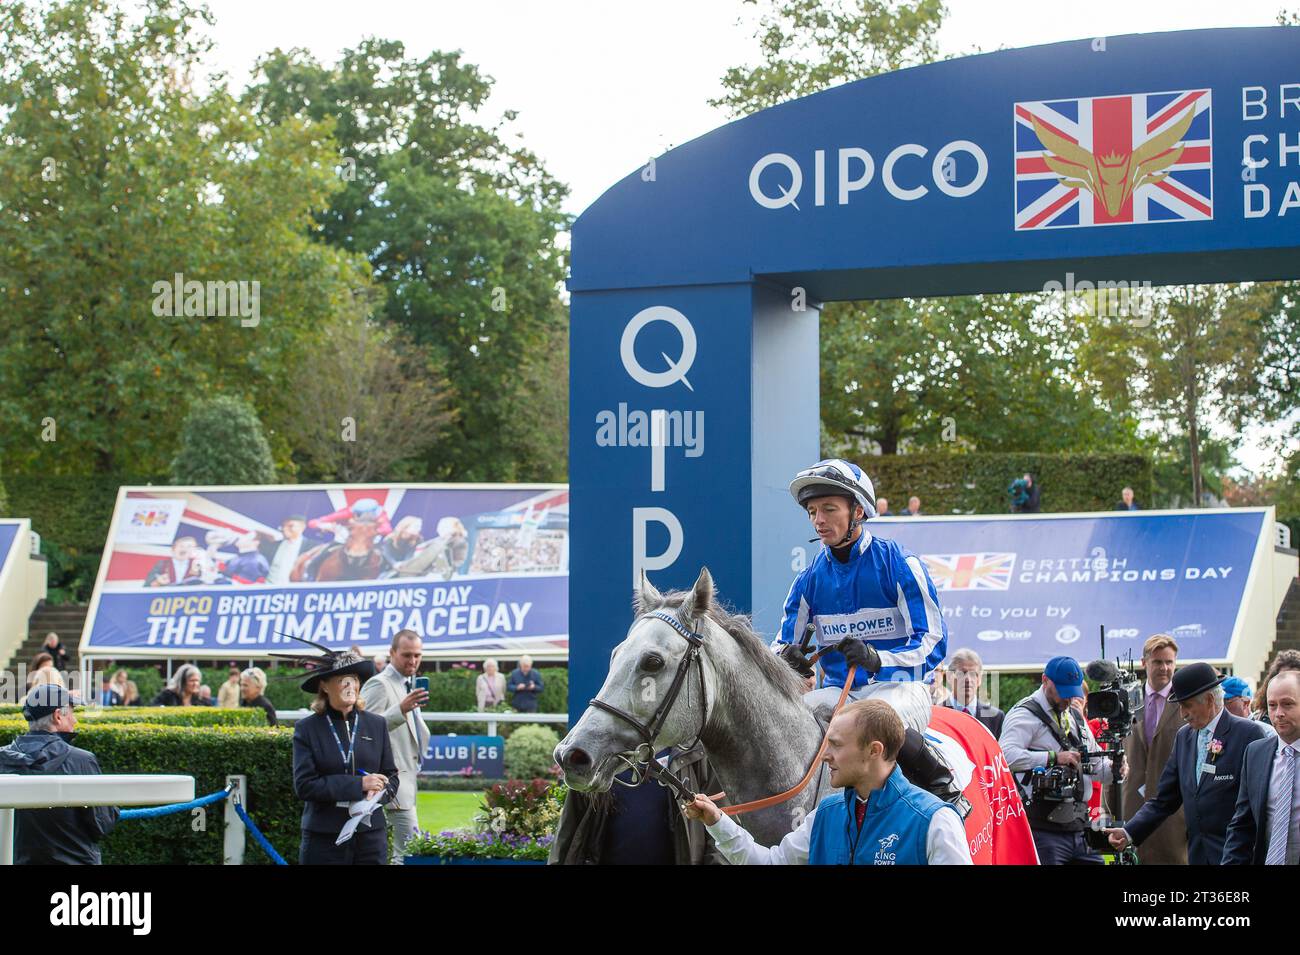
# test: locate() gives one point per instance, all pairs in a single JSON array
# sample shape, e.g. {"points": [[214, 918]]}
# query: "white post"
{"points": [[492, 727], [236, 834], [6, 837]]}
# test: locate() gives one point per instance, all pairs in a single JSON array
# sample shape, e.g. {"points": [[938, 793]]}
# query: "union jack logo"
{"points": [[970, 571], [1113, 160]]}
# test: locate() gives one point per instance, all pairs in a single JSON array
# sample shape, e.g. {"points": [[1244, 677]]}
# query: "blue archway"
{"points": [[1170, 158]]}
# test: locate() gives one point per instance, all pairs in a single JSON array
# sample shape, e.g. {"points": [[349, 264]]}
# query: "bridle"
{"points": [[644, 766], [642, 763]]}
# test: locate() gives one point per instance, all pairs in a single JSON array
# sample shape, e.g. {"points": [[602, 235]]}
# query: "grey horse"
{"points": [[759, 735]]}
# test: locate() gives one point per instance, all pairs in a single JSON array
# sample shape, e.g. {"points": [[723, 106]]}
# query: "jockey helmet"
{"points": [[834, 477]]}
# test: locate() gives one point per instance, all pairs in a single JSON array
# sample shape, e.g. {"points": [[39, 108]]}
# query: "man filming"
{"points": [[1044, 741]]}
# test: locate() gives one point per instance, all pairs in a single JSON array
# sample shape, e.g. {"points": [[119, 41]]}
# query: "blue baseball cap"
{"points": [[47, 698], [1235, 686], [1066, 676]]}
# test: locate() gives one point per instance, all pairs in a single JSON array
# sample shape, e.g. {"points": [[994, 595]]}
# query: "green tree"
{"points": [[1182, 363], [461, 228], [117, 173], [987, 373], [809, 45], [991, 373], [222, 443], [366, 403]]}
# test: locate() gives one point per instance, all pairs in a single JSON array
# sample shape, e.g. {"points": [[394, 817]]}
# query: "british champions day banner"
{"points": [[1021, 590], [228, 571]]}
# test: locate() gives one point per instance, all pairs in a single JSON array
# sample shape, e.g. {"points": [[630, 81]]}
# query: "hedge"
{"points": [[208, 754], [159, 715], [976, 483]]}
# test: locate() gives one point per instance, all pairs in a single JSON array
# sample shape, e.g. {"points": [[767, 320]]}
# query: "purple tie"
{"points": [[1152, 716]]}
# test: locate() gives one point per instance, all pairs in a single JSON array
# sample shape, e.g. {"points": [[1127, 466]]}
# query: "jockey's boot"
{"points": [[922, 766]]}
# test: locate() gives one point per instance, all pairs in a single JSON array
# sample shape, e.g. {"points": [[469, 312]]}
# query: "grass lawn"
{"points": [[439, 811]]}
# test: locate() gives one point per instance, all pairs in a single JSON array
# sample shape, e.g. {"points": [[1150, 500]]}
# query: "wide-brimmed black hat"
{"points": [[1194, 680], [331, 663]]}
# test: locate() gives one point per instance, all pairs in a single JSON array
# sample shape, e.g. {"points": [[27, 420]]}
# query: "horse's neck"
{"points": [[759, 742]]}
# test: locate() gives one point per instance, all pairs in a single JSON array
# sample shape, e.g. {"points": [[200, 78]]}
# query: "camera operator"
{"points": [[1043, 739]]}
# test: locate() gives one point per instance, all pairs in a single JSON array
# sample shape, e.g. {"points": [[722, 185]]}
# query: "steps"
{"points": [[67, 620], [1288, 626]]}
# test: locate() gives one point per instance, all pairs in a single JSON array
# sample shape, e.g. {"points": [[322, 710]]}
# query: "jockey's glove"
{"points": [[860, 654], [792, 655]]}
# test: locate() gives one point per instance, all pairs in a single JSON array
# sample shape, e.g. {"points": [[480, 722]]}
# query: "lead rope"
{"points": [[756, 804]]}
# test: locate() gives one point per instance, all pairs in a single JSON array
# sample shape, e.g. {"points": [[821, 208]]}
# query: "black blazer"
{"points": [[1247, 841], [1208, 803], [320, 777], [990, 716]]}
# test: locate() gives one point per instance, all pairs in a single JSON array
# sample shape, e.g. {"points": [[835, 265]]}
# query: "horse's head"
{"points": [[642, 672]]}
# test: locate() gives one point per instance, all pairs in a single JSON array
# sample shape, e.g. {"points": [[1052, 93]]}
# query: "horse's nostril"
{"points": [[576, 759]]}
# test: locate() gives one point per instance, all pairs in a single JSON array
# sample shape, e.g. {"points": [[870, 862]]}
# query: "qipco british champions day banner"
{"points": [[1021, 590], [229, 571]]}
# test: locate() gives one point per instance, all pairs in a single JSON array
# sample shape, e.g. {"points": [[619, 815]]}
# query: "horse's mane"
{"points": [[739, 628]]}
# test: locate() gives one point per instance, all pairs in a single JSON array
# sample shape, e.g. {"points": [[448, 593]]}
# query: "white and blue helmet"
{"points": [[837, 477]]}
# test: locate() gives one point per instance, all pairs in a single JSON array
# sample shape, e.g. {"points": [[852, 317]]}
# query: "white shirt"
{"points": [[1026, 741], [282, 564], [945, 842], [1275, 800]]}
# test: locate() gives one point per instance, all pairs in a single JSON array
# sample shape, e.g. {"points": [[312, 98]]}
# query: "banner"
{"points": [[238, 571], [465, 756], [1021, 590], [8, 534], [997, 827]]}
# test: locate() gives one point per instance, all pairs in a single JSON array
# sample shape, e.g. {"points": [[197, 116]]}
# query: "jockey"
{"points": [[872, 600], [366, 509]]}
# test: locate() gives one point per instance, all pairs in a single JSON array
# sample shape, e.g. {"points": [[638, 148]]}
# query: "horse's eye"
{"points": [[652, 663]]}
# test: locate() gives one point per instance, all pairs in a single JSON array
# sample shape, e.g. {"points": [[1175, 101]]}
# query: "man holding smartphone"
{"points": [[397, 694]]}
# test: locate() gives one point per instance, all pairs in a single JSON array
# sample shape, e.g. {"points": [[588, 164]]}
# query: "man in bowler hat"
{"points": [[1203, 772]]}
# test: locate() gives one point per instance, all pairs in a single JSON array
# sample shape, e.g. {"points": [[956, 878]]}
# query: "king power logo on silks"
{"points": [[1114, 160]]}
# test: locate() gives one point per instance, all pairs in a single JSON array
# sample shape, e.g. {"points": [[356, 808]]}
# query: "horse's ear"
{"points": [[646, 597], [702, 596]]}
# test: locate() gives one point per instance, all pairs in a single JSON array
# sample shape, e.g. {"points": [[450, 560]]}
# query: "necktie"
{"points": [[1281, 821], [1202, 747], [860, 809], [1150, 716]]}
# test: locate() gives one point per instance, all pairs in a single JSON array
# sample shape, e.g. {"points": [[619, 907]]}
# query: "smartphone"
{"points": [[422, 683]]}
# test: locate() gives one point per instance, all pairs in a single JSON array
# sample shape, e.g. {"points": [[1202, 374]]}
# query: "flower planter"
{"points": [[466, 860]]}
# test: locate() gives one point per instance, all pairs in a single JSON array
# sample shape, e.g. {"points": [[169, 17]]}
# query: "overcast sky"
{"points": [[600, 86]]}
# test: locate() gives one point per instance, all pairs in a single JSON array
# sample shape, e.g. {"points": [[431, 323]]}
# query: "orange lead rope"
{"points": [[776, 800]]}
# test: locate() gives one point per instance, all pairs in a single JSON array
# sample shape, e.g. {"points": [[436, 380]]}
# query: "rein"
{"points": [[643, 763]]}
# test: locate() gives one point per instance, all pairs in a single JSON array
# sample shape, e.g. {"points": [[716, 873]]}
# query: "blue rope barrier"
{"points": [[257, 834], [151, 812]]}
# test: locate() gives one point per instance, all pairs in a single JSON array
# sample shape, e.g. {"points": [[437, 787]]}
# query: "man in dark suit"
{"points": [[1265, 828], [1203, 774], [967, 671], [1149, 745]]}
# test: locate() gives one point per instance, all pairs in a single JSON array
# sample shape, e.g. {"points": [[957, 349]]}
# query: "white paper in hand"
{"points": [[357, 812]]}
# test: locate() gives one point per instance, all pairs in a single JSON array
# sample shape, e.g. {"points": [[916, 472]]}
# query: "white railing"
{"points": [[48, 792], [491, 719]]}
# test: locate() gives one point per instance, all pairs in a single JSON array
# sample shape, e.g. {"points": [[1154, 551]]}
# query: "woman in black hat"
{"points": [[341, 755]]}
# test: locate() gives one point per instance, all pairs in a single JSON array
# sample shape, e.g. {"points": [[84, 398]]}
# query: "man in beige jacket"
{"points": [[391, 693], [1148, 749]]}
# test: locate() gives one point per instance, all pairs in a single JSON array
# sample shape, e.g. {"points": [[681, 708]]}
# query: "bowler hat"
{"points": [[1194, 680]]}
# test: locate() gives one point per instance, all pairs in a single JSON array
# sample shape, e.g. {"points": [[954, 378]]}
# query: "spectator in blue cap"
{"points": [[1238, 700], [1044, 734], [65, 835]]}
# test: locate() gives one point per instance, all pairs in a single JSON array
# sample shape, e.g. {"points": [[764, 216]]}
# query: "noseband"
{"points": [[643, 763]]}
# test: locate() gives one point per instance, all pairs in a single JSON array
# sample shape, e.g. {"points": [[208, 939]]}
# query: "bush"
{"points": [[159, 715], [222, 442], [975, 483], [529, 751], [209, 754]]}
